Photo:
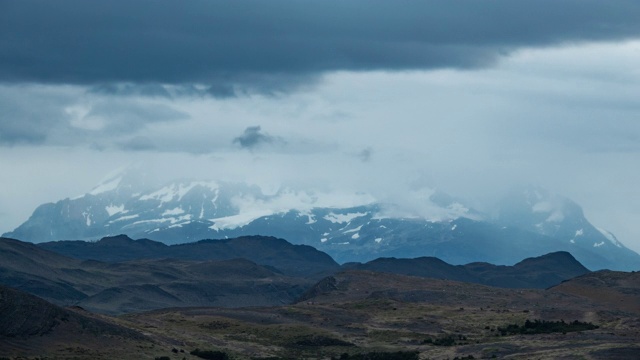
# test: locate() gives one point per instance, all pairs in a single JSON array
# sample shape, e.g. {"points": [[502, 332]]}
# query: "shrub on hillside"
{"points": [[399, 355], [210, 354], [545, 327]]}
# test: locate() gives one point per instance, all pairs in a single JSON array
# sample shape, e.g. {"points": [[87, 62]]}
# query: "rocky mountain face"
{"points": [[530, 222]]}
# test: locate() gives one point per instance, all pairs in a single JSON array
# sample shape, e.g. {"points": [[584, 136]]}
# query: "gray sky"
{"points": [[351, 96]]}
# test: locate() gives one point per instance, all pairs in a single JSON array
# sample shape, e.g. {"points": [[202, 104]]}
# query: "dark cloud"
{"points": [[253, 137], [29, 120], [123, 116], [129, 89], [365, 154], [15, 129], [138, 143], [41, 115], [270, 46]]}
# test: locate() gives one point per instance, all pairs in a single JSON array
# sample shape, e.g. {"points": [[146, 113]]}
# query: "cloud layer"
{"points": [[256, 45], [384, 97]]}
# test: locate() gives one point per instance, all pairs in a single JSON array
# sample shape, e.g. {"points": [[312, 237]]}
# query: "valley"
{"points": [[243, 308]]}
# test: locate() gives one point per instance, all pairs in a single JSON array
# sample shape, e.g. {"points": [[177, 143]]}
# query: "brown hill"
{"points": [[613, 290], [294, 260], [539, 272], [141, 285], [359, 312], [30, 326], [154, 284], [362, 312], [44, 273]]}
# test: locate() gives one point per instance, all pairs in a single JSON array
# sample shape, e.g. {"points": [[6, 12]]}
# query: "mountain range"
{"points": [[529, 222], [211, 299], [119, 274], [202, 274]]}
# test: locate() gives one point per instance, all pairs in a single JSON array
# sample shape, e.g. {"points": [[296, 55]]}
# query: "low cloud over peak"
{"points": [[253, 137]]}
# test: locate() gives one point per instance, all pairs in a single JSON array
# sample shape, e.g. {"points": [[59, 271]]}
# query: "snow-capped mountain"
{"points": [[349, 228], [537, 210]]}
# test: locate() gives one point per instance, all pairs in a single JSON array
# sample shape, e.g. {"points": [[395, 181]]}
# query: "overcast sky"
{"points": [[381, 97]]}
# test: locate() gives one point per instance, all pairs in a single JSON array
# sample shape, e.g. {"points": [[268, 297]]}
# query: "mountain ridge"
{"points": [[536, 272], [222, 273], [530, 222], [298, 260]]}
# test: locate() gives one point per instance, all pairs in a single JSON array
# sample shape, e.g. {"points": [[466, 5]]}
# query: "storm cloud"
{"points": [[29, 114], [68, 116], [274, 45], [252, 137], [361, 96]]}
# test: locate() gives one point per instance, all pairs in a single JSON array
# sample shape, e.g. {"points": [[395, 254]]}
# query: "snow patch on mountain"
{"points": [[554, 211], [457, 210], [123, 218], [579, 233], [110, 184], [343, 218], [174, 211], [426, 204], [112, 209], [87, 217], [151, 221], [353, 230], [239, 220], [286, 200], [610, 237], [177, 191], [311, 218]]}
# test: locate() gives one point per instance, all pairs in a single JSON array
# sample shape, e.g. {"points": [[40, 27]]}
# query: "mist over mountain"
{"points": [[529, 222]]}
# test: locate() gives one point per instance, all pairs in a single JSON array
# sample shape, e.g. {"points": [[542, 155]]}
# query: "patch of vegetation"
{"points": [[448, 340], [162, 358], [218, 325], [545, 327], [319, 340], [210, 354], [399, 355]]}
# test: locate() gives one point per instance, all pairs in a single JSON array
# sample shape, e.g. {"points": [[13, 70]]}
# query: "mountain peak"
{"points": [[555, 260], [117, 239], [350, 227], [538, 210]]}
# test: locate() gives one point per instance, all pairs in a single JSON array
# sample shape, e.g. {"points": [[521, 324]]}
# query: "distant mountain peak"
{"points": [[539, 210], [117, 239], [350, 227], [558, 259]]}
